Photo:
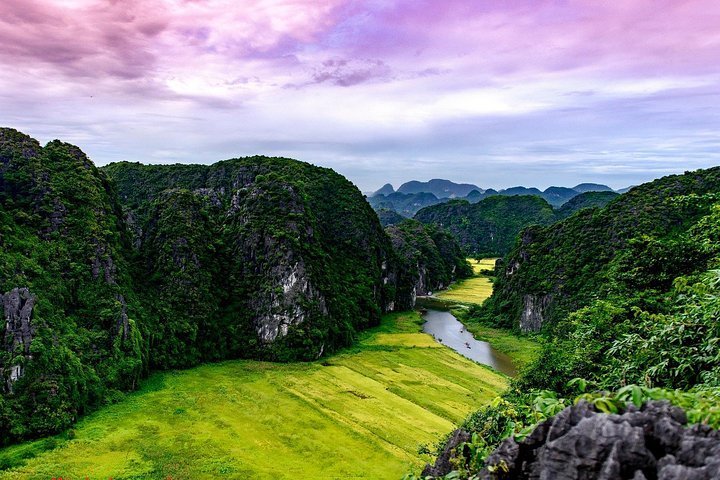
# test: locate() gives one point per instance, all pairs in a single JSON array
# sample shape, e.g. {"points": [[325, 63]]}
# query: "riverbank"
{"points": [[521, 349], [449, 331], [363, 413]]}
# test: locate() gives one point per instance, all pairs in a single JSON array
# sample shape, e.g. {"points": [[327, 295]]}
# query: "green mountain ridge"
{"points": [[418, 195], [489, 227]]}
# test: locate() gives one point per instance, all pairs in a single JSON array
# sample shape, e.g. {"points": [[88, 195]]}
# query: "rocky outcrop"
{"points": [[652, 442], [18, 307], [453, 448], [534, 308]]}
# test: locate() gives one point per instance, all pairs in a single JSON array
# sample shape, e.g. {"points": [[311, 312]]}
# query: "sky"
{"points": [[495, 93]]}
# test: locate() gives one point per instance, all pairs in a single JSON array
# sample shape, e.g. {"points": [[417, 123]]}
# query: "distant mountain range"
{"points": [[414, 195]]}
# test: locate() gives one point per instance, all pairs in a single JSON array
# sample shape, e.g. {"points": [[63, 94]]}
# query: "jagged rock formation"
{"points": [[17, 305], [653, 442]]}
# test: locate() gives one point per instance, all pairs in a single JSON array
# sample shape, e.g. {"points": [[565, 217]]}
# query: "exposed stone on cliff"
{"points": [[534, 308], [580, 443], [653, 442], [18, 307]]}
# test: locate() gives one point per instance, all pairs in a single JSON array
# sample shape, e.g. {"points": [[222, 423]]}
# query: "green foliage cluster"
{"points": [[488, 228], [62, 236], [634, 294], [634, 248], [222, 244], [429, 257]]}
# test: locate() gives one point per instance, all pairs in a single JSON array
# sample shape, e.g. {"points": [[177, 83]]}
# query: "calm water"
{"points": [[450, 332]]}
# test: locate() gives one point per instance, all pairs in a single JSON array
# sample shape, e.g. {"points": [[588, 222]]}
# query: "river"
{"points": [[446, 329]]}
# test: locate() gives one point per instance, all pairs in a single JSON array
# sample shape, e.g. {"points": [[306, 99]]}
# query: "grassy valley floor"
{"points": [[471, 290], [360, 414]]}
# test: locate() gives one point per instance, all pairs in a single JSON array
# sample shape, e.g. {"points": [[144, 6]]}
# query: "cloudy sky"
{"points": [[493, 92]]}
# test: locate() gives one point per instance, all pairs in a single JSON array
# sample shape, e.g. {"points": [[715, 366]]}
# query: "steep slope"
{"points": [[585, 200], [296, 259], [489, 227], [71, 336], [430, 258], [639, 242]]}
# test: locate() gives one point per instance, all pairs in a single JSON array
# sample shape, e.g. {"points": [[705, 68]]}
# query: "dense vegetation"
{"points": [[71, 337], [627, 299], [108, 273], [257, 246], [429, 257], [362, 413], [488, 228], [584, 200], [389, 217]]}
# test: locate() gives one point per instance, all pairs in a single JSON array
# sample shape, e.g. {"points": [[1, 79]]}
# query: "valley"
{"points": [[362, 413]]}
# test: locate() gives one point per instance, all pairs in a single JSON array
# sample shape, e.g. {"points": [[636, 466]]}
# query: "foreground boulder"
{"points": [[652, 442]]}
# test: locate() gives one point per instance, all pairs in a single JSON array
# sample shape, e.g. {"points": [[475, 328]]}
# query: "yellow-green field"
{"points": [[471, 290], [360, 414]]}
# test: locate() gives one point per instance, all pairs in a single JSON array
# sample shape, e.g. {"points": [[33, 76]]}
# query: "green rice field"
{"points": [[363, 413], [471, 290]]}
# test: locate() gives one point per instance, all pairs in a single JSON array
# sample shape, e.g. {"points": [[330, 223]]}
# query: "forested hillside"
{"points": [[429, 256], [73, 335], [108, 273], [488, 228], [626, 301]]}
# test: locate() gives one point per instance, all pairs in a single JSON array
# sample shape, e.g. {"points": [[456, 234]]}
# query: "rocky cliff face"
{"points": [[288, 258], [429, 258], [533, 313], [69, 333], [640, 444], [18, 307]]}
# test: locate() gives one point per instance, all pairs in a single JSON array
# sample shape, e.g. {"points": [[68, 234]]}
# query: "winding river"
{"points": [[446, 329]]}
